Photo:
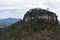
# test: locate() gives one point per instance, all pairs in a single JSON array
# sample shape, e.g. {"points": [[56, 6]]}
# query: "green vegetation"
{"points": [[28, 31], [36, 29]]}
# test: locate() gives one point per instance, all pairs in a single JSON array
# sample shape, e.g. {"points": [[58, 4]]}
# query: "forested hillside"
{"points": [[36, 29], [30, 31]]}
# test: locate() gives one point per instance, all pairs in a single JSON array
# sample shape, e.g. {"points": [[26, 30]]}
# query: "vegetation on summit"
{"points": [[35, 29]]}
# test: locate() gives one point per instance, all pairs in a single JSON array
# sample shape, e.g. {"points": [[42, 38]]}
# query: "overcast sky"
{"points": [[17, 8]]}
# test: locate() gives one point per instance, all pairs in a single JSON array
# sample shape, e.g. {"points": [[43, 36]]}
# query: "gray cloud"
{"points": [[17, 8], [54, 6]]}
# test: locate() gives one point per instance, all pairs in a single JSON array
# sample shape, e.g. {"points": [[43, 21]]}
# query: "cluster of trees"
{"points": [[21, 30], [29, 30]]}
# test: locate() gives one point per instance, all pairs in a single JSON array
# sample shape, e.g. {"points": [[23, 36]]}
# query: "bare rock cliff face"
{"points": [[38, 13]]}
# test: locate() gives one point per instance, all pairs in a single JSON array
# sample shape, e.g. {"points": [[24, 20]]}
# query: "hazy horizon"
{"points": [[17, 8]]}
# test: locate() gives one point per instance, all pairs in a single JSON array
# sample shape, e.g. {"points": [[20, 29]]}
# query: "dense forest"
{"points": [[33, 30], [30, 31]]}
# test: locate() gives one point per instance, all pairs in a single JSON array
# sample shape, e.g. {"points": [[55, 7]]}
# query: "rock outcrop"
{"points": [[41, 14]]}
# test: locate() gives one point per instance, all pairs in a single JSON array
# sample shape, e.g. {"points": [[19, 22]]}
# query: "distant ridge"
{"points": [[8, 21]]}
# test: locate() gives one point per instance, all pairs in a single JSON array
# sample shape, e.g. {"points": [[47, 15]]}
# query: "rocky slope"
{"points": [[29, 31], [33, 30]]}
